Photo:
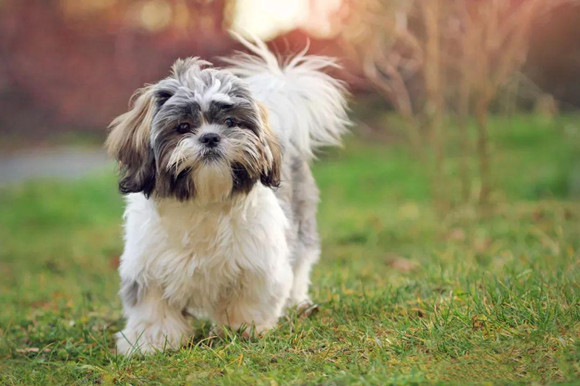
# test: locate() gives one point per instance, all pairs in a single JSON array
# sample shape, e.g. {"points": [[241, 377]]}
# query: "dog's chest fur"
{"points": [[200, 255]]}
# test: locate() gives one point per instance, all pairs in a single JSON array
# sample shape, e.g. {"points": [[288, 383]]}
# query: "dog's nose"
{"points": [[210, 139]]}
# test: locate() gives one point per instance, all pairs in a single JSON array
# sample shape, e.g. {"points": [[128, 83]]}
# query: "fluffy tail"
{"points": [[307, 107]]}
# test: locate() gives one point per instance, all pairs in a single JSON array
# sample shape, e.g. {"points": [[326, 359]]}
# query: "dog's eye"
{"points": [[230, 122], [183, 127]]}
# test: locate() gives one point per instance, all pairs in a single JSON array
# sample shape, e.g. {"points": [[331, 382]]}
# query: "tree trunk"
{"points": [[463, 121], [483, 150]]}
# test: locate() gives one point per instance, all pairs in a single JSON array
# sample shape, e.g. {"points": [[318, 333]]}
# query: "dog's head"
{"points": [[196, 134]]}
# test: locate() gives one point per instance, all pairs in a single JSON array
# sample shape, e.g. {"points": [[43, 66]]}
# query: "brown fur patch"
{"points": [[128, 143], [272, 155]]}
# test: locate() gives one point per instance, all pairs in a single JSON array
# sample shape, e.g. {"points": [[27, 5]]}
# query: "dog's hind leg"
{"points": [[306, 249], [299, 296]]}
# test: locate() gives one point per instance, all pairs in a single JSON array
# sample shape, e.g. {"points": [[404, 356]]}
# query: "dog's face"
{"points": [[197, 134]]}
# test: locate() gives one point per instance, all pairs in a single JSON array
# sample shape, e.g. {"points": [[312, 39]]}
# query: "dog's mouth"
{"points": [[211, 155]]}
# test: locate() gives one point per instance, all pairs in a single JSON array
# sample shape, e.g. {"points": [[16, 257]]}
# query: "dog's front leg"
{"points": [[259, 303], [152, 324]]}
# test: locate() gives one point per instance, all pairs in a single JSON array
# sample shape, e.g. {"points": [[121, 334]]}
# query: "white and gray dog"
{"points": [[220, 220]]}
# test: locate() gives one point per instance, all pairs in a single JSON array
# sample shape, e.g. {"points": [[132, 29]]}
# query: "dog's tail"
{"points": [[307, 107]]}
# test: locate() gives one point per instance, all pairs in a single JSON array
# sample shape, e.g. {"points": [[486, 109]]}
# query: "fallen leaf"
{"points": [[456, 234], [402, 264], [478, 322], [30, 350], [114, 262]]}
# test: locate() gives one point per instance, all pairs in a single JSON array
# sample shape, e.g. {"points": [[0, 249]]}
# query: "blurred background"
{"points": [[449, 220], [426, 73]]}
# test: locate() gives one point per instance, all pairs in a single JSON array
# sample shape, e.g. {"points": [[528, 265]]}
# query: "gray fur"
{"points": [[299, 196], [131, 292], [297, 193], [195, 96], [153, 169], [177, 100]]}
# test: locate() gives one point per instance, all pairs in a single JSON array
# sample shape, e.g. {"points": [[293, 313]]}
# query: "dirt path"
{"points": [[65, 163]]}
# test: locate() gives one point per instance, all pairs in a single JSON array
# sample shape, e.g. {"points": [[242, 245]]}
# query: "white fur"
{"points": [[228, 258], [226, 261], [213, 182], [307, 106]]}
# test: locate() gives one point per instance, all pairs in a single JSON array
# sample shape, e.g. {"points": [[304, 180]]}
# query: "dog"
{"points": [[220, 218]]}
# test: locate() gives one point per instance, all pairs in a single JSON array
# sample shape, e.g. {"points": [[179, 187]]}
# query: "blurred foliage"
{"points": [[72, 65], [442, 65], [66, 63], [459, 54]]}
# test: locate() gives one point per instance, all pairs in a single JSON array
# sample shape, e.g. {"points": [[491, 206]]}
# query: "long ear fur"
{"points": [[272, 154], [128, 143]]}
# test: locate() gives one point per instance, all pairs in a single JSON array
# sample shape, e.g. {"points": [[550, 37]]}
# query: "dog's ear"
{"points": [[272, 152], [128, 143]]}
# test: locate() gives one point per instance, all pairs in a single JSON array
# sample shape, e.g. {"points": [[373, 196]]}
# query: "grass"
{"points": [[406, 295]]}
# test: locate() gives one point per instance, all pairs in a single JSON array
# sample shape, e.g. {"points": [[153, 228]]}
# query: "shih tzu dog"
{"points": [[220, 220]]}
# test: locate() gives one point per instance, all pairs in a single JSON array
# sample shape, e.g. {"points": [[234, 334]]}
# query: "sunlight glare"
{"points": [[268, 18]]}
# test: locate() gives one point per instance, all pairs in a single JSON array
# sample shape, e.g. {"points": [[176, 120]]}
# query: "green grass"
{"points": [[406, 295]]}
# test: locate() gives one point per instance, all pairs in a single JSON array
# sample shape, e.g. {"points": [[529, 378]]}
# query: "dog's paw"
{"points": [[307, 308], [302, 309], [244, 331], [126, 346], [132, 343]]}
